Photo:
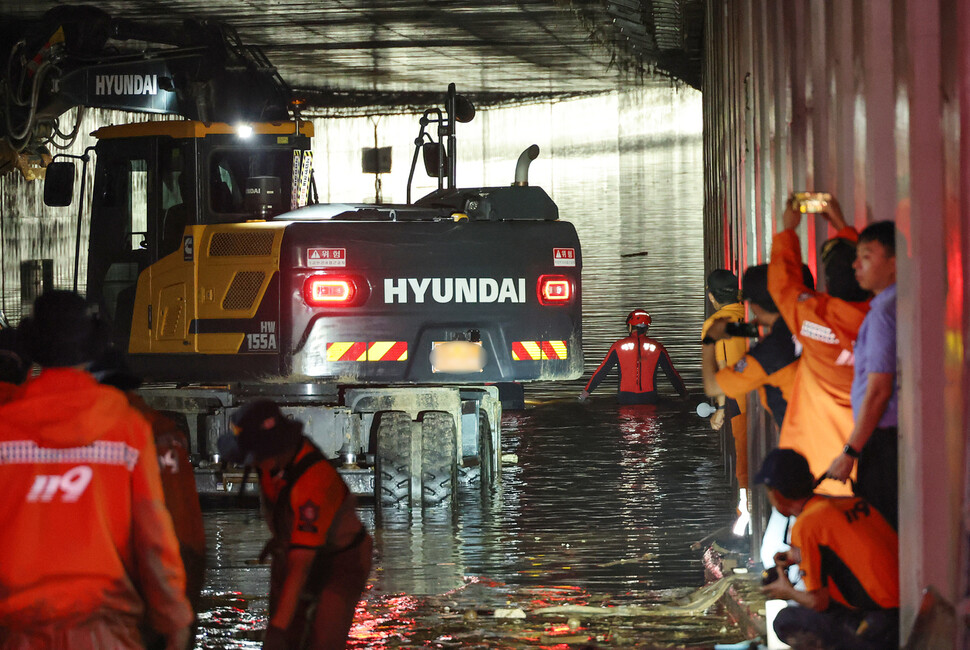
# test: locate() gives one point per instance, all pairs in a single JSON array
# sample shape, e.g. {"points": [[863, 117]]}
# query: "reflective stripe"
{"points": [[539, 350], [346, 351], [526, 351], [388, 351], [363, 351], [554, 350]]}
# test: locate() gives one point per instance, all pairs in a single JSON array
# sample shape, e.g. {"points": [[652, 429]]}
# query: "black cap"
{"points": [[62, 331], [754, 286], [262, 431], [723, 285], [787, 471], [838, 254]]}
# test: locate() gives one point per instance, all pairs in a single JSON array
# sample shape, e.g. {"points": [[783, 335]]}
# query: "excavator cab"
{"points": [[156, 182]]}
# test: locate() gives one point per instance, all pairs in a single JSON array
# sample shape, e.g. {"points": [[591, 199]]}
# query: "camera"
{"points": [[807, 202], [769, 575], [743, 329]]}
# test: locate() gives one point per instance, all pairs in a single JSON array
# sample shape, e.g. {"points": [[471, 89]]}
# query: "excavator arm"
{"points": [[79, 56]]}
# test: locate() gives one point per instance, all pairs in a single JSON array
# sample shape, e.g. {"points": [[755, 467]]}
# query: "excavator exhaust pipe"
{"points": [[522, 166]]}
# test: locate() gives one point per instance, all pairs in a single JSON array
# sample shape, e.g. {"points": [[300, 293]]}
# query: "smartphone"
{"points": [[812, 201]]}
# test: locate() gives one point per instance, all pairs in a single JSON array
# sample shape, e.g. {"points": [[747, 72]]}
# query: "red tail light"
{"points": [[554, 289], [329, 290]]}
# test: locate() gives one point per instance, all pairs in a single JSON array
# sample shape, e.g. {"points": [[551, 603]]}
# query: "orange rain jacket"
{"points": [[85, 530], [181, 493], [818, 421]]}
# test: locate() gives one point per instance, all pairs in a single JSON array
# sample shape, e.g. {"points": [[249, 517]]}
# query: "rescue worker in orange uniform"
{"points": [[178, 477], [848, 557], [639, 358], [321, 552], [819, 420], [722, 292], [771, 364], [87, 546]]}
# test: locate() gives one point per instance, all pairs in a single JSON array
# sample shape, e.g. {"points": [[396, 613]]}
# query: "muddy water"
{"points": [[603, 502]]}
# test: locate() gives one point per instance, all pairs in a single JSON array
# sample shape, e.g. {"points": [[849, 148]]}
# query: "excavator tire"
{"points": [[393, 457], [438, 464], [486, 458]]}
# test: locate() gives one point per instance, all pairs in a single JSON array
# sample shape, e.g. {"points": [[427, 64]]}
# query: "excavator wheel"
{"points": [[393, 472], [486, 457], [438, 454]]}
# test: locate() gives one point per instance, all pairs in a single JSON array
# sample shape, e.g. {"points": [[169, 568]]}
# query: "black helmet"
{"points": [[262, 431], [62, 331]]}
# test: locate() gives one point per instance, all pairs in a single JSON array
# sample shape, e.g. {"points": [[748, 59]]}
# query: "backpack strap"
{"points": [[291, 474]]}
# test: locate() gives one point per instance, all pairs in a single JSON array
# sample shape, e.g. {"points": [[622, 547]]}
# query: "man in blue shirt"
{"points": [[874, 391]]}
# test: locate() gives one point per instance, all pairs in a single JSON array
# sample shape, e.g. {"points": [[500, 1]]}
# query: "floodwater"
{"points": [[602, 503]]}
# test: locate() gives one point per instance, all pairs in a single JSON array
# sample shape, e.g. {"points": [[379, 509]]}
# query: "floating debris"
{"points": [[631, 560]]}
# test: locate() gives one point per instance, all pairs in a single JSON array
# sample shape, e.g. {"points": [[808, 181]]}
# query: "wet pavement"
{"points": [[598, 504]]}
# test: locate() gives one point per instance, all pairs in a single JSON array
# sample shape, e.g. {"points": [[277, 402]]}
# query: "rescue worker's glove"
{"points": [[275, 639], [583, 395]]}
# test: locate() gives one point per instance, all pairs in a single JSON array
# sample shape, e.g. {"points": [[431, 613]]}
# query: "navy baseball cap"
{"points": [[787, 471]]}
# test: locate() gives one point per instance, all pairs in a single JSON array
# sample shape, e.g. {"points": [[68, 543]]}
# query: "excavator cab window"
{"points": [[176, 197], [229, 169], [138, 227], [123, 226]]}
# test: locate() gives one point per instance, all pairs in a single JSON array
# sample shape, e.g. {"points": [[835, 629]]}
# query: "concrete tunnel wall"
{"points": [[866, 99]]}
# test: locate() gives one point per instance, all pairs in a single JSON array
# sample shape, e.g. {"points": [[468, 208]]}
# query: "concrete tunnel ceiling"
{"points": [[367, 54]]}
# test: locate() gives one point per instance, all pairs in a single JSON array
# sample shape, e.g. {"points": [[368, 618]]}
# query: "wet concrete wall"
{"points": [[866, 99]]}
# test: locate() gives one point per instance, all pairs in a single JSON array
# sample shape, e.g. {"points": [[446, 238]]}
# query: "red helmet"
{"points": [[638, 318]]}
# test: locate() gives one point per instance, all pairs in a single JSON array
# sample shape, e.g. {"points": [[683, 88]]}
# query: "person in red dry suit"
{"points": [[87, 546], [639, 358]]}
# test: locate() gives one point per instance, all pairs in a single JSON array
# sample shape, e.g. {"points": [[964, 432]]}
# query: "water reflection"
{"points": [[604, 502]]}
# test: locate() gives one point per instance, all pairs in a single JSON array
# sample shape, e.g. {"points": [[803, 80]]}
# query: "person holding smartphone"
{"points": [[848, 558], [818, 420]]}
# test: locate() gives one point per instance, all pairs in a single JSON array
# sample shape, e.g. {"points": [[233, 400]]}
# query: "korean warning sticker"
{"points": [[564, 256], [319, 258]]}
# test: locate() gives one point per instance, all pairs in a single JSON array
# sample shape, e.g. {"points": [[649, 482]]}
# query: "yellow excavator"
{"points": [[388, 328]]}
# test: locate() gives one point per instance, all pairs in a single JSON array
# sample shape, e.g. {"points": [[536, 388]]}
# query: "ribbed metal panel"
{"points": [[870, 101], [241, 244], [243, 291]]}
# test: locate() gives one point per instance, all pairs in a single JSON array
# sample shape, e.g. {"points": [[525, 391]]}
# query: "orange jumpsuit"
{"points": [[181, 493], [87, 545], [727, 352], [310, 507], [819, 420]]}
